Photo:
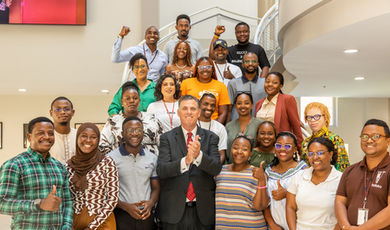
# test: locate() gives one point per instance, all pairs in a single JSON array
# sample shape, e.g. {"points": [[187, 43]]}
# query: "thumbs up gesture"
{"points": [[259, 174], [51, 202], [227, 74], [280, 193]]}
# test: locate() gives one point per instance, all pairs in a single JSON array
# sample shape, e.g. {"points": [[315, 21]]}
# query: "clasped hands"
{"points": [[193, 150]]}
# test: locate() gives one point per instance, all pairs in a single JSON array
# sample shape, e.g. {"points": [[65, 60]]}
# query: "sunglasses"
{"points": [[315, 117], [204, 67], [286, 147], [319, 153]]}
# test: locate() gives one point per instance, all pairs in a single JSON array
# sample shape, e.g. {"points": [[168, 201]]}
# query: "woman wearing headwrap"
{"points": [[93, 182]]}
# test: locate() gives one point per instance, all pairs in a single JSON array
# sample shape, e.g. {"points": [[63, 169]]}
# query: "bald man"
{"points": [[157, 59]]}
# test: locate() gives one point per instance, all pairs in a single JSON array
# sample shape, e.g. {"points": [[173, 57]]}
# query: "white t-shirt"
{"points": [[64, 146], [315, 203], [217, 128], [165, 114], [220, 68]]}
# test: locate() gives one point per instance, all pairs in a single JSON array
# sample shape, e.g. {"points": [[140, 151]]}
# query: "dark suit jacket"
{"points": [[286, 115], [174, 184]]}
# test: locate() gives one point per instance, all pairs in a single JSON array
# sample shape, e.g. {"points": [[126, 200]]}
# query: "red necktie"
{"points": [[190, 190]]}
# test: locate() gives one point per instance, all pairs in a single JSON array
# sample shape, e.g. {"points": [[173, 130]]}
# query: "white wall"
{"points": [[42, 58]]}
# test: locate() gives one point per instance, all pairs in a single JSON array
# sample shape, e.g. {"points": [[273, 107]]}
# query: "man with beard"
{"points": [[139, 186], [183, 26], [157, 60], [249, 82], [237, 52], [61, 110], [225, 71], [34, 187], [208, 103]]}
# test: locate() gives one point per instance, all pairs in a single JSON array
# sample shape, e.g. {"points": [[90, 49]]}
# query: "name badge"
{"points": [[362, 216]]}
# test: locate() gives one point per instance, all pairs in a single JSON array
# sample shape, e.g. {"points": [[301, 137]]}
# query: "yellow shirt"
{"points": [[193, 87], [267, 110]]}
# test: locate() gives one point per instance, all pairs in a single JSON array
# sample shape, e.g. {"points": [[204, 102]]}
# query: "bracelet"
{"points": [[120, 36], [263, 187], [216, 35]]}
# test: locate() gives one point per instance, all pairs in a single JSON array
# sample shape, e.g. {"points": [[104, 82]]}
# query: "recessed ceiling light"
{"points": [[351, 51], [359, 78], [105, 91], [22, 90]]}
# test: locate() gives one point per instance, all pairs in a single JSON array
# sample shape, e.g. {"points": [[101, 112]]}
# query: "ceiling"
{"points": [[323, 69]]}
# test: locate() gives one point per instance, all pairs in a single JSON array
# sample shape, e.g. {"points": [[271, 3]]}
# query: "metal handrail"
{"points": [[264, 23], [126, 70]]}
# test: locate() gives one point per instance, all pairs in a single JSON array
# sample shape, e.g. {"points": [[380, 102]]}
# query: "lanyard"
{"points": [[143, 47], [367, 187], [169, 114], [219, 71], [201, 125]]}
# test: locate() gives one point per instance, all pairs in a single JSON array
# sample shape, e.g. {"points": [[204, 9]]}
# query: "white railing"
{"points": [[168, 31], [267, 33]]}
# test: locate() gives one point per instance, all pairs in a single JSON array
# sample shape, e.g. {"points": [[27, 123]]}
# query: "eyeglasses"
{"points": [[374, 137], [139, 67], [250, 61], [280, 146], [315, 117], [319, 153], [58, 110], [134, 130], [204, 67]]}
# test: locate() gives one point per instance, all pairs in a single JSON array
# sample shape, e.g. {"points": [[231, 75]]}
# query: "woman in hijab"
{"points": [[93, 182]]}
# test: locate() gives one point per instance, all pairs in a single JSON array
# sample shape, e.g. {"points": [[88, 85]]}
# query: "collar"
{"points": [[193, 132], [385, 161], [245, 80], [187, 40], [124, 152], [37, 156], [146, 47], [273, 100], [307, 174], [322, 132], [151, 85]]}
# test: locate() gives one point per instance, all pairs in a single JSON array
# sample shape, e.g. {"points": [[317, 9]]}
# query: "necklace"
{"points": [[169, 114], [180, 67], [243, 131]]}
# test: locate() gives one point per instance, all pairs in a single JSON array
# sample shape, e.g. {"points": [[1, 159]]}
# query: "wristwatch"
{"points": [[37, 203]]}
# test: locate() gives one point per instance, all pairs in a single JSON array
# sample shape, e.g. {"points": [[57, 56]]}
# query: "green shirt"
{"points": [[147, 97], [257, 157], [233, 129], [28, 177]]}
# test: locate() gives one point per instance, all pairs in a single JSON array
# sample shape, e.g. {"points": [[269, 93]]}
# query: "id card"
{"points": [[362, 216]]}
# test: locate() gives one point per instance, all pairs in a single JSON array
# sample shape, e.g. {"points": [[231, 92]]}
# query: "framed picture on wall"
{"points": [[99, 125], [1, 135], [25, 131]]}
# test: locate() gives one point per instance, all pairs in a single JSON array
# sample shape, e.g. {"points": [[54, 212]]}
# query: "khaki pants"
{"points": [[82, 220]]}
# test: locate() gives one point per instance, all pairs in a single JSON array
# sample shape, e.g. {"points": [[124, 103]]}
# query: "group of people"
{"points": [[195, 142]]}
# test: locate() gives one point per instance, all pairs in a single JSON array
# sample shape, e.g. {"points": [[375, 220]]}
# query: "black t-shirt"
{"points": [[237, 52]]}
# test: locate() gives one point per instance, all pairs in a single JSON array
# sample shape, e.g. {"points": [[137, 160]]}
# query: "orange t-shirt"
{"points": [[193, 87]]}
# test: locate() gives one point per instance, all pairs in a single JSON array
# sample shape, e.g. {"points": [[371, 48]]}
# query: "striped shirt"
{"points": [[234, 201], [28, 177], [278, 207], [101, 196]]}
